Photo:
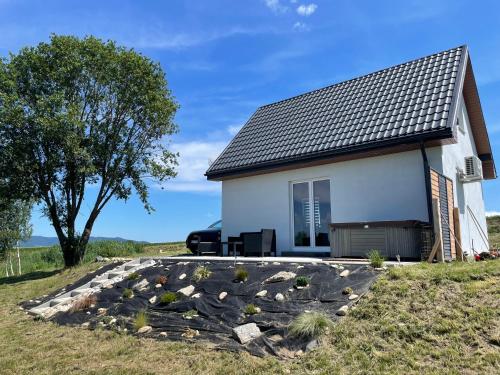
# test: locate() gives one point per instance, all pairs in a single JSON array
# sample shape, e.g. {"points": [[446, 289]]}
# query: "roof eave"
{"points": [[445, 133]]}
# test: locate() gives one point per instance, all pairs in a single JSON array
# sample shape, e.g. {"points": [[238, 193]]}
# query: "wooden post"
{"points": [[437, 249], [458, 234]]}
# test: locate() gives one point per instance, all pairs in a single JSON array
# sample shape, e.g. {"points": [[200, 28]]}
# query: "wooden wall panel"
{"points": [[451, 205]]}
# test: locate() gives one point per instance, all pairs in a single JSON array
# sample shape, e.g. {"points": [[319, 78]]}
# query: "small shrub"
{"points": [[302, 281], [347, 290], [376, 260], [161, 280], [167, 298], [190, 314], [84, 303], [241, 274], [133, 276], [313, 325], [251, 309], [141, 320], [127, 293], [200, 273]]}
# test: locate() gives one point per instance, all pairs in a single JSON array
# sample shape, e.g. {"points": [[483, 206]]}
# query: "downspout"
{"points": [[428, 191]]}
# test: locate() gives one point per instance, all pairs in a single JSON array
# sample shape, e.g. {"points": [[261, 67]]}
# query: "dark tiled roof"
{"points": [[404, 101]]}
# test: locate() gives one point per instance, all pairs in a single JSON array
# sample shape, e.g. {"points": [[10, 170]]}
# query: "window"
{"points": [[311, 213]]}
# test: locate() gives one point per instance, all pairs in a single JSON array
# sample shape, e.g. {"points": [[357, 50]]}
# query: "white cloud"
{"points": [[300, 26], [306, 10], [195, 158], [492, 213], [234, 129], [276, 6]]}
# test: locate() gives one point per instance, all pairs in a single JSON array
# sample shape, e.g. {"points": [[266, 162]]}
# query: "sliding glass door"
{"points": [[311, 213]]}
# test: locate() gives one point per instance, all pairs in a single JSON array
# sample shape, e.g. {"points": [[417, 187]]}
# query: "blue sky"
{"points": [[224, 58]]}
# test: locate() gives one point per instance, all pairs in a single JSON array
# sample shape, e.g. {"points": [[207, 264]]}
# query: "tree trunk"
{"points": [[73, 252]]}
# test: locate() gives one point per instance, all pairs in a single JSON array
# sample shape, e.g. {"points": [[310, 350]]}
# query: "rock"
{"points": [[290, 290], [246, 332], [379, 269], [342, 311], [88, 312], [258, 310], [353, 296], [299, 267], [182, 277], [311, 345], [276, 338], [85, 325], [280, 276], [340, 267], [145, 329], [262, 293], [187, 291], [141, 285], [158, 286], [344, 273], [279, 297], [112, 321], [276, 263], [197, 295], [163, 334], [102, 311], [153, 299], [101, 259], [334, 266], [190, 333], [222, 295], [109, 286]]}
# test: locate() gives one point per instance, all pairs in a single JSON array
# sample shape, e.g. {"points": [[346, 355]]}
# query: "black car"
{"points": [[210, 237]]}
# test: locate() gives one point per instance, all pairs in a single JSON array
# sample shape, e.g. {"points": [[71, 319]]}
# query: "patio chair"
{"points": [[261, 243]]}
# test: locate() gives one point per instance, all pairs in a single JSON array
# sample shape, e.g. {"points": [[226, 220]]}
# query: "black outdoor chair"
{"points": [[261, 243]]}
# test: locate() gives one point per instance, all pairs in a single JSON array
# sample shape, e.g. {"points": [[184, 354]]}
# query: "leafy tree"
{"points": [[14, 226], [79, 112]]}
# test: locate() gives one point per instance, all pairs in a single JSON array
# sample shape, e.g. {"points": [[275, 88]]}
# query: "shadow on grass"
{"points": [[37, 275]]}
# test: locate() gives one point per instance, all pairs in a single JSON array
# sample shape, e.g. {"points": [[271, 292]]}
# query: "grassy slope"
{"points": [[494, 231], [420, 319]]}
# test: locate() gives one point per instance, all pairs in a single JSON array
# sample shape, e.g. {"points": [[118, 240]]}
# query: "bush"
{"points": [[312, 325], [251, 309], [162, 280], [141, 320], [376, 260], [110, 249], [200, 273], [84, 303], [241, 274], [127, 293], [302, 281], [190, 314], [167, 298], [133, 276], [347, 290], [53, 255]]}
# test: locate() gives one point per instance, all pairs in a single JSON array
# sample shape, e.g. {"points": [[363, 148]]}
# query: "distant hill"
{"points": [[37, 241], [494, 230]]}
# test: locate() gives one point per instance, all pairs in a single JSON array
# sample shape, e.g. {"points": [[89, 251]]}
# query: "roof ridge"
{"points": [[462, 47]]}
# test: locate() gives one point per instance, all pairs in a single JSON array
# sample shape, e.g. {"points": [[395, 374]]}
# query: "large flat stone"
{"points": [[187, 291], [280, 276], [246, 332]]}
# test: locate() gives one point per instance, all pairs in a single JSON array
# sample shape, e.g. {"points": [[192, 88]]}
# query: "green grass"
{"points": [[201, 273], [423, 319], [375, 258], [311, 324], [241, 274], [302, 281], [494, 231], [50, 258], [141, 320], [167, 298], [127, 293], [251, 309]]}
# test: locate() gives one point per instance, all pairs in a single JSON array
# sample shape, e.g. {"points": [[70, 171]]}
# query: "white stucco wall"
{"points": [[389, 187], [469, 194]]}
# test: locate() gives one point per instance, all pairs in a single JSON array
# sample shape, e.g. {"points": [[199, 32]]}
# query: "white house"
{"points": [[371, 152]]}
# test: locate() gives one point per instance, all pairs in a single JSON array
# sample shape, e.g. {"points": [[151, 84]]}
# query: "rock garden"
{"points": [[264, 308]]}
